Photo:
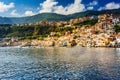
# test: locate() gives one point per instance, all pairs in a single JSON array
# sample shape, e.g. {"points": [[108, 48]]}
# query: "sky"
{"points": [[20, 8]]}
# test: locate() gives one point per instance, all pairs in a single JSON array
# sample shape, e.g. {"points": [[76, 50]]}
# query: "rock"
{"points": [[71, 43], [24, 44], [113, 44], [2, 45], [49, 43], [64, 44], [79, 44]]}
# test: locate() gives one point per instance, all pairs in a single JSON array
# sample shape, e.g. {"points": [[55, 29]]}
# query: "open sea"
{"points": [[75, 63]]}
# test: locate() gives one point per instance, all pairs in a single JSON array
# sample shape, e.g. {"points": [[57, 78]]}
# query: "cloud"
{"points": [[91, 5], [111, 5], [101, 8], [47, 6], [94, 3], [29, 13], [90, 8], [4, 7], [14, 13], [52, 6], [77, 6]]}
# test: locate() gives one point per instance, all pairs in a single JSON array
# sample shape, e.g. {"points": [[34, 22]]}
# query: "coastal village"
{"points": [[102, 34]]}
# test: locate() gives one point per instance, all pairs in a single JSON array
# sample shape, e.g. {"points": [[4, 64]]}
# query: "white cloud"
{"points": [[77, 6], [14, 13], [101, 8], [94, 3], [52, 6], [90, 8], [60, 10], [4, 7], [111, 5], [91, 5], [29, 13], [47, 6]]}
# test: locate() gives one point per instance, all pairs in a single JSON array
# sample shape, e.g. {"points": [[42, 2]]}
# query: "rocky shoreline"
{"points": [[57, 43]]}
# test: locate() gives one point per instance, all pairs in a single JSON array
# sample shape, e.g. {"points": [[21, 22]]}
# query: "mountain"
{"points": [[96, 13], [53, 17], [32, 19]]}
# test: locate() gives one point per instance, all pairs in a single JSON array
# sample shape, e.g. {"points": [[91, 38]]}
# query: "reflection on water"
{"points": [[59, 63]]}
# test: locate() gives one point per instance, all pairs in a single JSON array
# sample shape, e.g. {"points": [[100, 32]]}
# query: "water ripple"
{"points": [[59, 63]]}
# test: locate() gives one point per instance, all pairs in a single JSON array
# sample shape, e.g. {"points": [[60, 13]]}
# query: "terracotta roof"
{"points": [[118, 35]]}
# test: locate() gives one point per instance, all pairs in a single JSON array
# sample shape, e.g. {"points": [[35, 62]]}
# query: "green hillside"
{"points": [[53, 17]]}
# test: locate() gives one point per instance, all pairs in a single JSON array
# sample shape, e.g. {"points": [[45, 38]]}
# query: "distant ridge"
{"points": [[53, 17]]}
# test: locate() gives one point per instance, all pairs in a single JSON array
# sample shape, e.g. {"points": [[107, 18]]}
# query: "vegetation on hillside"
{"points": [[54, 17], [31, 32], [117, 28]]}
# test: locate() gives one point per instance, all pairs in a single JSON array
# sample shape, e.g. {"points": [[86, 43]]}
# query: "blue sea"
{"points": [[74, 63]]}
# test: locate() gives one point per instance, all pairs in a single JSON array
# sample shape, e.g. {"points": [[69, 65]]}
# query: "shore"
{"points": [[57, 43]]}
